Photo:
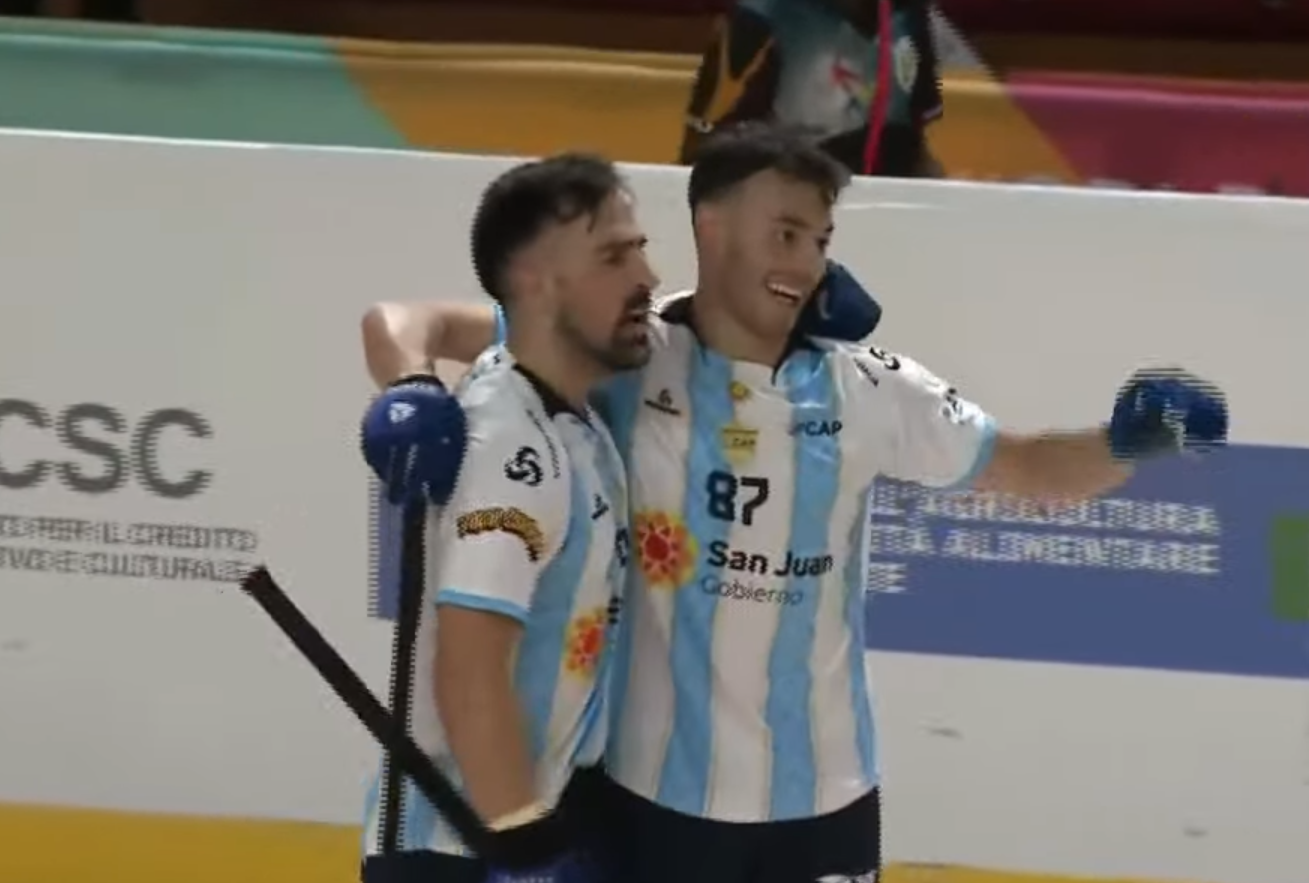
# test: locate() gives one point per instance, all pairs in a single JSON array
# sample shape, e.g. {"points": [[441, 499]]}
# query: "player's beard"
{"points": [[625, 349]]}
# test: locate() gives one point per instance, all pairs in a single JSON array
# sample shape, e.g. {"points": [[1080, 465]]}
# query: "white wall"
{"points": [[229, 281]]}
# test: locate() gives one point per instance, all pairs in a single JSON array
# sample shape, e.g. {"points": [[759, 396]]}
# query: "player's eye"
{"points": [[621, 255]]}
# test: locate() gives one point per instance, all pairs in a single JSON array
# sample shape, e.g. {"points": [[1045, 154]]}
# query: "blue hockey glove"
{"points": [[1166, 411], [840, 309], [539, 852], [413, 436], [568, 868]]}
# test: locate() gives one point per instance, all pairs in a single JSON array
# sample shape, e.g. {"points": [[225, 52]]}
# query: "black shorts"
{"points": [[647, 843], [579, 803], [421, 867]]}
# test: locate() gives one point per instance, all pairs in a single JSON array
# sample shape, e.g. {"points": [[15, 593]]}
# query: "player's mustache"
{"points": [[640, 301]]}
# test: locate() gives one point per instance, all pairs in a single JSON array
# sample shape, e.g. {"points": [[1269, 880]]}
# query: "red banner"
{"points": [[1228, 20], [1168, 133]]}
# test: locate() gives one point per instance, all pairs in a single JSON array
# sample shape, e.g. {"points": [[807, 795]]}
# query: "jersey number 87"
{"points": [[732, 498]]}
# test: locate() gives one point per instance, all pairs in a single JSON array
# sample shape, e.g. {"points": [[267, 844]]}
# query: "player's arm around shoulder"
{"points": [[940, 439], [502, 527], [406, 338]]}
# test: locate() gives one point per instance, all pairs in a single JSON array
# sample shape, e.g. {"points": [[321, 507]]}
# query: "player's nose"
{"points": [[803, 267], [646, 276]]}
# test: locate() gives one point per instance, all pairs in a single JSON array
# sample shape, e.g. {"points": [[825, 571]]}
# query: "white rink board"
{"points": [[229, 281]]}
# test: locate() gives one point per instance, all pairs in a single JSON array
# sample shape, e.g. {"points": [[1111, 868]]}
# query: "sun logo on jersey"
{"points": [[585, 642], [665, 549]]}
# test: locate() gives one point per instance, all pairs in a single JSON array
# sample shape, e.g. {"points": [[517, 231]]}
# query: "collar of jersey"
{"points": [[554, 403], [677, 311]]}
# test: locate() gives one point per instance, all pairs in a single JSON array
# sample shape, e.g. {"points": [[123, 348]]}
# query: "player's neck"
{"points": [[554, 365], [721, 332]]}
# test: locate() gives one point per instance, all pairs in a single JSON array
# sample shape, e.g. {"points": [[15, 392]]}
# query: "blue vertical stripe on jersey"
{"points": [[807, 376], [436, 833], [420, 829], [618, 402], [609, 472], [371, 806], [855, 571], [684, 779], [544, 643], [592, 716], [501, 326], [619, 679]]}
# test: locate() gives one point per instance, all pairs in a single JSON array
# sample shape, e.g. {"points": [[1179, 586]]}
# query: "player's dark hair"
{"points": [[732, 155], [520, 204]]}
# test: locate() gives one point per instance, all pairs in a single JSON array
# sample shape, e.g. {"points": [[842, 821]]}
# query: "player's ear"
{"points": [[707, 223], [530, 274], [520, 277]]}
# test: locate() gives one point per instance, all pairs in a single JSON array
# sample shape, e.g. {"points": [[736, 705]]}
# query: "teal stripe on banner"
{"points": [[1290, 550], [183, 83]]}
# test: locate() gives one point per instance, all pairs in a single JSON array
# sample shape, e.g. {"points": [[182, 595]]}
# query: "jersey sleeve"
{"points": [[504, 523], [933, 436]]}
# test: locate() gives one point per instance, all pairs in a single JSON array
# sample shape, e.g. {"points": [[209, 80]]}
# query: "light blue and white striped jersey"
{"points": [[537, 530], [740, 691]]}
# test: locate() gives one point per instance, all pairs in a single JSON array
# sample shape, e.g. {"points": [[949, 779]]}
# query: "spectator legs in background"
{"points": [[110, 10], [20, 7], [96, 10]]}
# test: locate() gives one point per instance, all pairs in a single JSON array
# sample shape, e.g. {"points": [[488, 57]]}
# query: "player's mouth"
{"points": [[788, 294], [636, 320]]}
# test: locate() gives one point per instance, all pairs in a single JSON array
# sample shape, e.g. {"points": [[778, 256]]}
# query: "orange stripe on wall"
{"points": [[63, 845], [537, 100], [984, 135], [495, 100]]}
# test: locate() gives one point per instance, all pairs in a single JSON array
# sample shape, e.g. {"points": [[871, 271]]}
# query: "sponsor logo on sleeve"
{"points": [[890, 360], [504, 519], [952, 407], [525, 467]]}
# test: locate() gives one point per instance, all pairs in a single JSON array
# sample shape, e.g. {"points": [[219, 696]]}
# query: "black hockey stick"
{"points": [[413, 562], [390, 732]]}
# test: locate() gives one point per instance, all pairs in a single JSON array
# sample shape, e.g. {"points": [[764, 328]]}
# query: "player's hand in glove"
{"points": [[840, 309], [1166, 411], [413, 436], [540, 851]]}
